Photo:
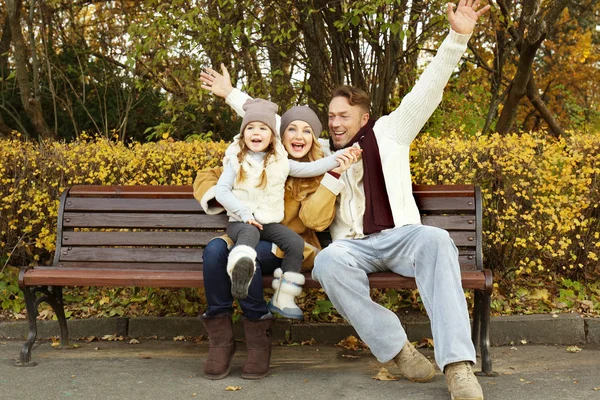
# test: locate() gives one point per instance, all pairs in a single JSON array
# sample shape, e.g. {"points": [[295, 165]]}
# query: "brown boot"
{"points": [[258, 341], [221, 346]]}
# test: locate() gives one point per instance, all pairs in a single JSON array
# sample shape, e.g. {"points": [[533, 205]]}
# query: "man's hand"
{"points": [[464, 19], [218, 84]]}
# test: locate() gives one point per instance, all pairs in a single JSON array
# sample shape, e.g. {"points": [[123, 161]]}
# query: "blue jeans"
{"points": [[423, 252], [217, 284]]}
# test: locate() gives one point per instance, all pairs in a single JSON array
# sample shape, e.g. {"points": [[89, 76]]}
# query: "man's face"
{"points": [[345, 121]]}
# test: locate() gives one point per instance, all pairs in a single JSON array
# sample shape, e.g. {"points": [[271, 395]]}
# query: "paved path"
{"points": [[166, 369]]}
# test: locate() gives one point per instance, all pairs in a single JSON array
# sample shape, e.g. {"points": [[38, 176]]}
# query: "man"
{"points": [[377, 225]]}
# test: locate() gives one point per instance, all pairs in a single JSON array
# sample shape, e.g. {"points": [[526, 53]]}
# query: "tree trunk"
{"points": [[31, 106], [540, 106], [319, 78], [4, 49], [534, 25]]}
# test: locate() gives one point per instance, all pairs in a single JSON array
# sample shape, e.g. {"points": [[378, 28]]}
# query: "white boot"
{"points": [[241, 265], [287, 287]]}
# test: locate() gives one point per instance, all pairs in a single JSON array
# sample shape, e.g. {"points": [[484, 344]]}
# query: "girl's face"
{"points": [[298, 139], [257, 136]]}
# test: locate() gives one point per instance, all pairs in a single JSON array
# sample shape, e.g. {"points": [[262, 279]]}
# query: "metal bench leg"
{"points": [[53, 296], [476, 328], [486, 358], [31, 305], [55, 299]]}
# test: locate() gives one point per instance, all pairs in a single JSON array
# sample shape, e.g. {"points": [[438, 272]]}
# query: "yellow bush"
{"points": [[541, 197], [33, 176]]}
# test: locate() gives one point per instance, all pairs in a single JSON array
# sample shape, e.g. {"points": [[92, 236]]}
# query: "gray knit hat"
{"points": [[302, 113], [260, 110]]}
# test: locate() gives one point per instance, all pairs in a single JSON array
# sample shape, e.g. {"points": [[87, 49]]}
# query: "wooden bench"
{"points": [[153, 236]]}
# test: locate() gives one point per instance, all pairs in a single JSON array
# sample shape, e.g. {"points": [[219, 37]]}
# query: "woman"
{"points": [[309, 207]]}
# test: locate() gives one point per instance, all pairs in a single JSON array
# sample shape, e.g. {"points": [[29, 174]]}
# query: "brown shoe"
{"points": [[414, 365], [221, 346], [258, 341], [462, 383]]}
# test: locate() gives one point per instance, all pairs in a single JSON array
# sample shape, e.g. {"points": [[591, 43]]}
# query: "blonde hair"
{"points": [[299, 188], [241, 176]]}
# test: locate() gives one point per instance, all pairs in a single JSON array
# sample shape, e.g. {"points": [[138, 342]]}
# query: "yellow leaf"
{"points": [[233, 388], [573, 349], [539, 294], [384, 375]]}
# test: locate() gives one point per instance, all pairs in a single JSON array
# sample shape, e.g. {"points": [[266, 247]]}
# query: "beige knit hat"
{"points": [[302, 113], [262, 111]]}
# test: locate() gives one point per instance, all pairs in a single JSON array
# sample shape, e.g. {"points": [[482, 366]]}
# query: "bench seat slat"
{"points": [[128, 254], [182, 279], [160, 238], [141, 220]]}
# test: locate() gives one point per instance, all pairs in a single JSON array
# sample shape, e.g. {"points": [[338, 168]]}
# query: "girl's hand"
{"points": [[218, 84], [255, 223]]}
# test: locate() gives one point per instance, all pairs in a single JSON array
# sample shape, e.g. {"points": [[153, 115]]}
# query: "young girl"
{"points": [[251, 189]]}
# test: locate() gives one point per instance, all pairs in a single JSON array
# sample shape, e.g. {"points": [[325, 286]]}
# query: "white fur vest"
{"points": [[265, 203]]}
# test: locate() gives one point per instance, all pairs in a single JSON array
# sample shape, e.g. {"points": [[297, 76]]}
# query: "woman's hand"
{"points": [[347, 158], [218, 84], [255, 223]]}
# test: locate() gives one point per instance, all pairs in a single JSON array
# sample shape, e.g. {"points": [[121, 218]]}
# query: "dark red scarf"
{"points": [[378, 213]]}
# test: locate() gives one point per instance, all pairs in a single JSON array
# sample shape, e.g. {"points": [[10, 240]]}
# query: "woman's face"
{"points": [[298, 138]]}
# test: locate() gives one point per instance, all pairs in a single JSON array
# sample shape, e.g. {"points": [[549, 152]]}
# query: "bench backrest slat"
{"points": [[170, 206], [445, 204], [158, 238], [144, 220], [131, 254]]}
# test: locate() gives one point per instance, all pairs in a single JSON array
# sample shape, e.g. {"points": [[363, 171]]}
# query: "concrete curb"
{"points": [[566, 329]]}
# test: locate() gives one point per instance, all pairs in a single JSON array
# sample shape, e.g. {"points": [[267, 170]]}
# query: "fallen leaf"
{"points": [[76, 346], [177, 338], [194, 394], [352, 343], [90, 339], [233, 388], [96, 348], [573, 349], [350, 356], [425, 343], [539, 294], [134, 341], [597, 388], [523, 341], [310, 342], [55, 344], [384, 375]]}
